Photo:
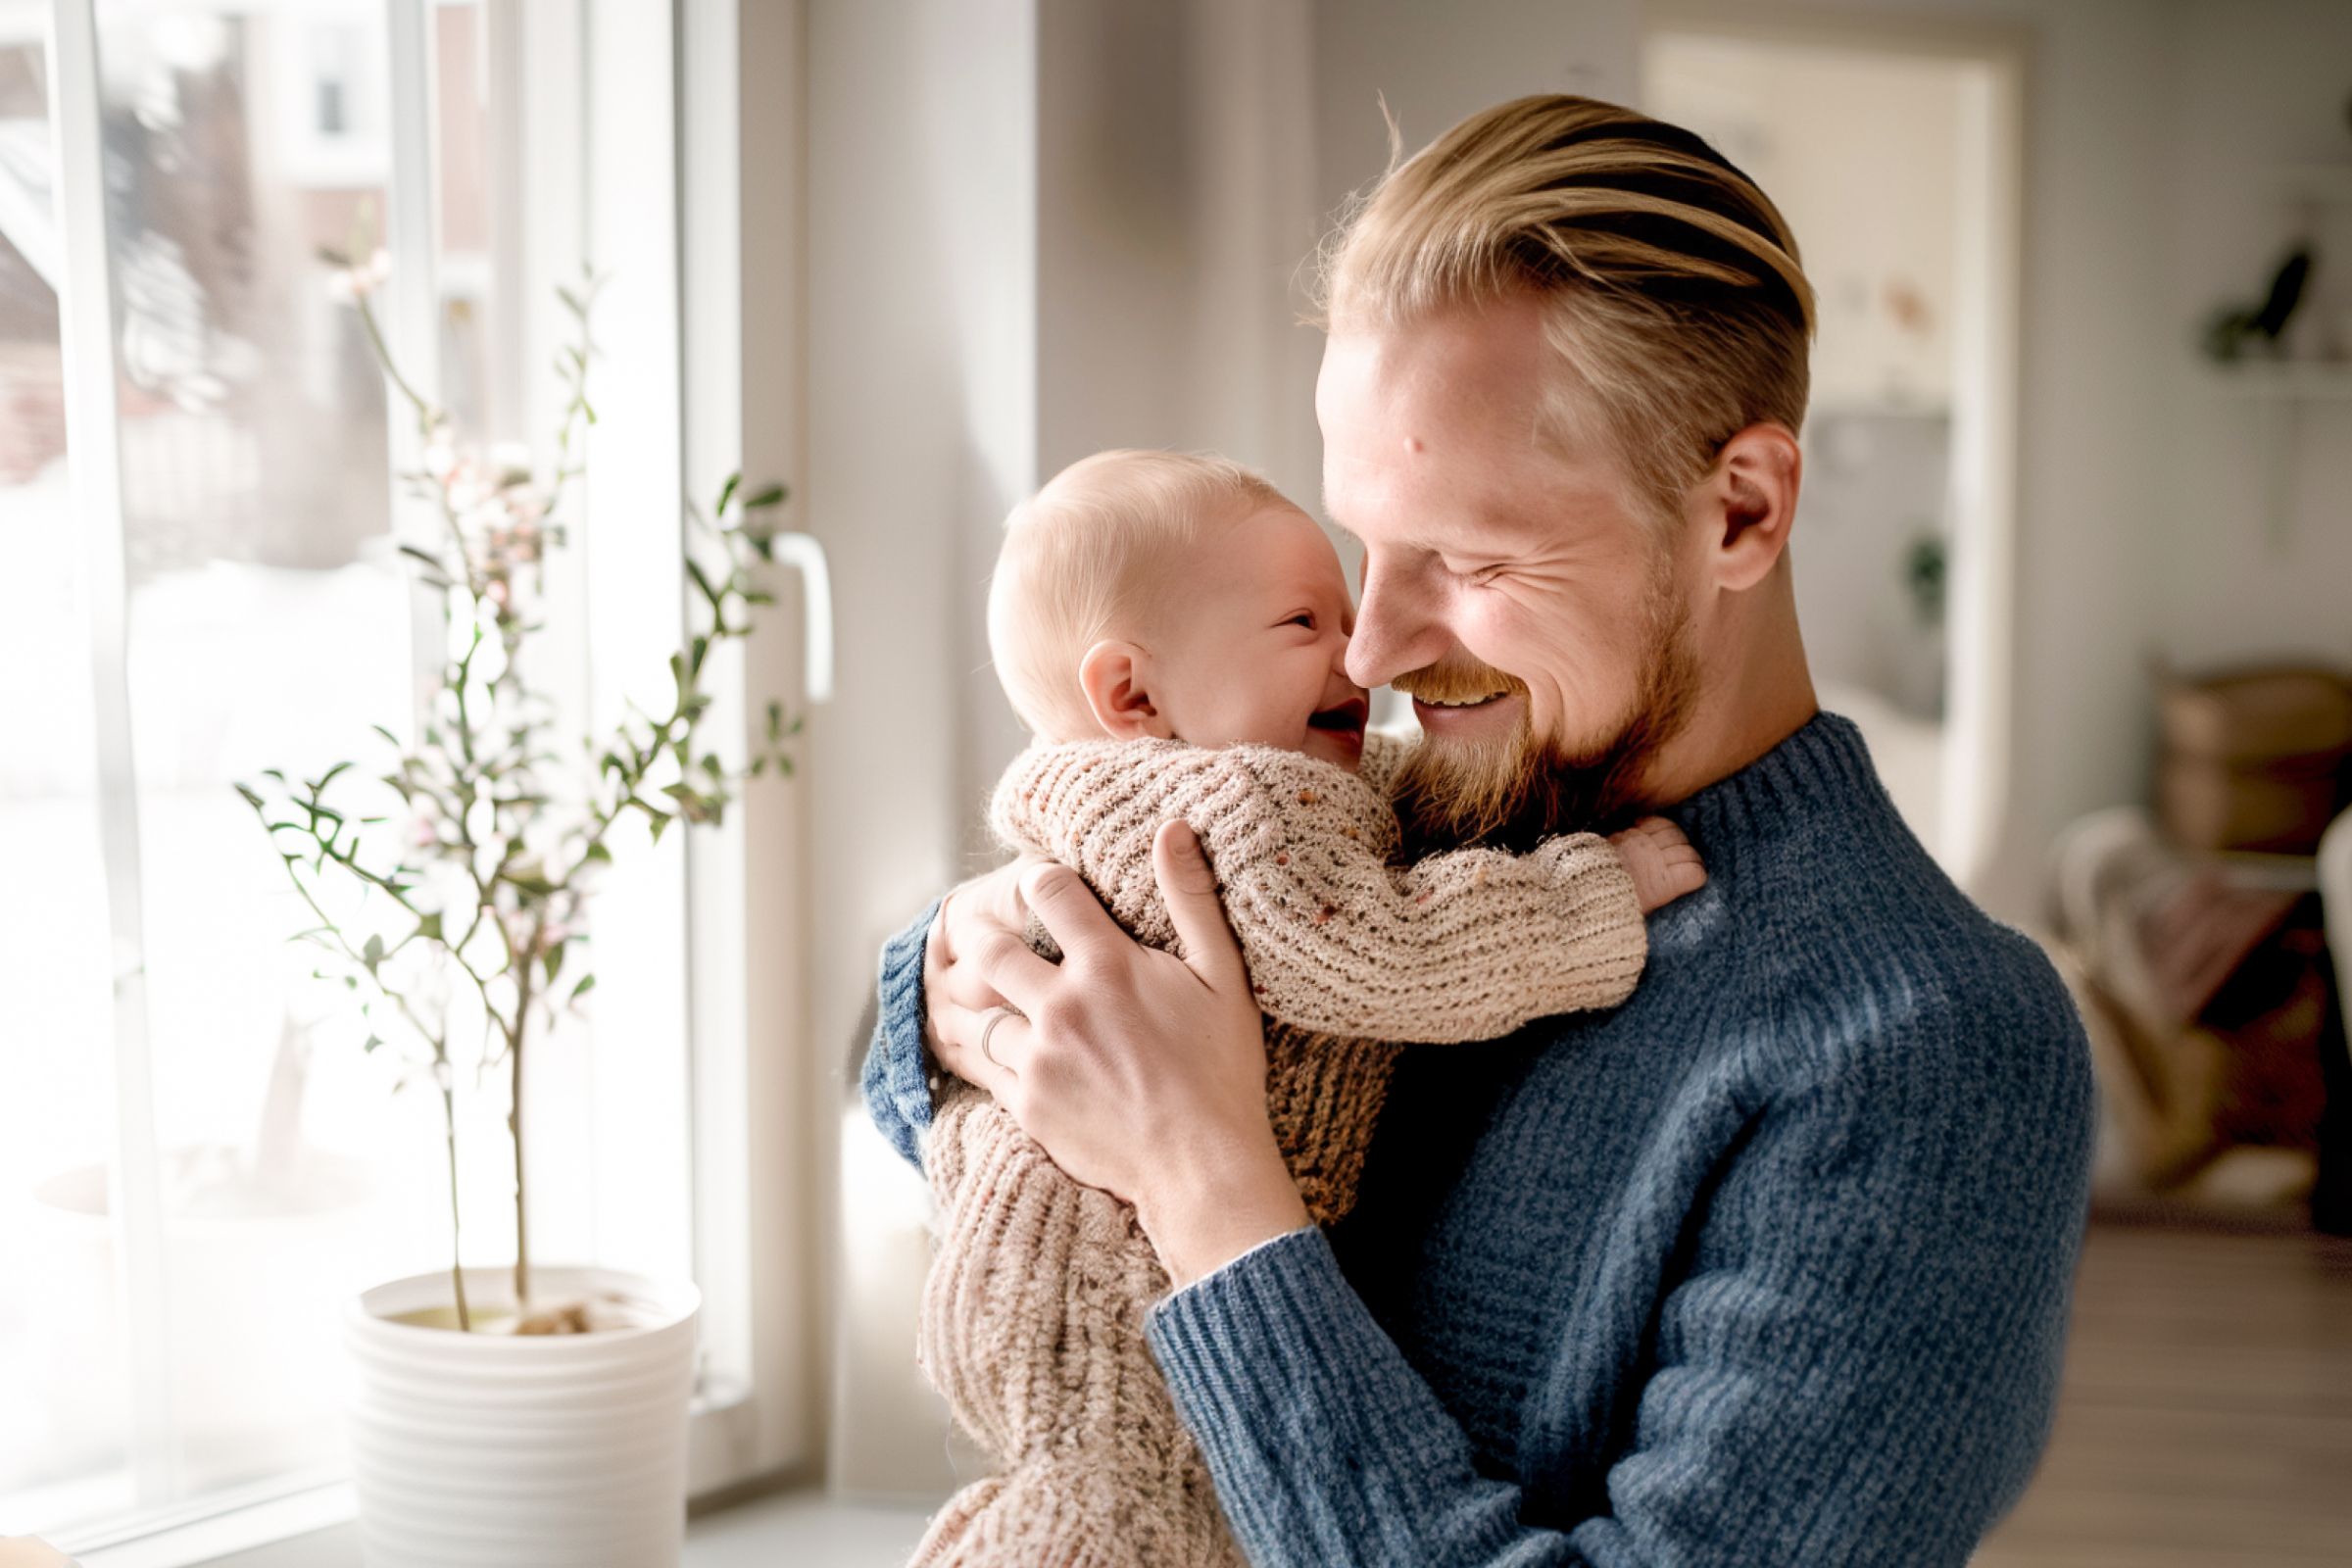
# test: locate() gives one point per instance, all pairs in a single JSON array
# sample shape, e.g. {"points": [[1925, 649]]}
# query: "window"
{"points": [[201, 514]]}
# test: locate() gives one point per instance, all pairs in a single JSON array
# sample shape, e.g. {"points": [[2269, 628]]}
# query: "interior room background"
{"points": [[912, 257]]}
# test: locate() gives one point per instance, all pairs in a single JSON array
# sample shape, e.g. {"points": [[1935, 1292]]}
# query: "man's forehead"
{"points": [[1443, 432], [1498, 354]]}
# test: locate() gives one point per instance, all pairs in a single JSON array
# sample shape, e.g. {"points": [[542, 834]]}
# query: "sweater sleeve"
{"points": [[1467, 945], [1857, 1365], [896, 1076]]}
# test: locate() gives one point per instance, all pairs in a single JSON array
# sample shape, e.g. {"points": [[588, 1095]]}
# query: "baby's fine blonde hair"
{"points": [[1079, 560]]}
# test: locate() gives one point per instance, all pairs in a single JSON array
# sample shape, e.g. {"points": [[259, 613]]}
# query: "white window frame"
{"points": [[714, 1106]]}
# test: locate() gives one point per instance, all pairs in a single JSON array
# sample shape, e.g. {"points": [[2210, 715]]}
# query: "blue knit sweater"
{"points": [[1770, 1265]]}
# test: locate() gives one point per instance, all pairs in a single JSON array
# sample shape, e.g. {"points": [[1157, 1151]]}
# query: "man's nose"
{"points": [[1394, 630]]}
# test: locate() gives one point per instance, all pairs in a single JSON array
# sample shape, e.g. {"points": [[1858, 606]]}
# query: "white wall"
{"points": [[921, 406], [2125, 245], [1871, 211], [2247, 565]]}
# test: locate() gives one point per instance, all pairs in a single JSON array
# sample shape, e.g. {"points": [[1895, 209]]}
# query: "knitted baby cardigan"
{"points": [[1766, 1267], [1033, 1314]]}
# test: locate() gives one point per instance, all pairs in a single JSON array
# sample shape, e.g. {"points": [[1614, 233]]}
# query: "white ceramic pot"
{"points": [[500, 1451]]}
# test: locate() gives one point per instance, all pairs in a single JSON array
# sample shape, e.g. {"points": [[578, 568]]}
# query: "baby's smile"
{"points": [[1344, 722]]}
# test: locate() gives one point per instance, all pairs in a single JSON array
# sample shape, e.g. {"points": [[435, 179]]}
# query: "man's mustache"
{"points": [[1457, 680]]}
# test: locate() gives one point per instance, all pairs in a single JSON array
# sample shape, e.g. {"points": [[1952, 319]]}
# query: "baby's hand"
{"points": [[1661, 862]]}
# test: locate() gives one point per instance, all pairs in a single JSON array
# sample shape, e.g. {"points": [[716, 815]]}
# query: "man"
{"points": [[1769, 1266]]}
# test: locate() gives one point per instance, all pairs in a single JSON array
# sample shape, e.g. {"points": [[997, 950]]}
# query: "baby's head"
{"points": [[1155, 593]]}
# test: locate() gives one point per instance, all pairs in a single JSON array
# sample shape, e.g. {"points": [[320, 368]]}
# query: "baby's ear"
{"points": [[1112, 675]]}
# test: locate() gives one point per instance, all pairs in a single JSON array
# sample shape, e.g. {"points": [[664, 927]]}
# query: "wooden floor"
{"points": [[2207, 1412]]}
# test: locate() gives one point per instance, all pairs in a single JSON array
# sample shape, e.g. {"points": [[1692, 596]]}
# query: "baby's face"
{"points": [[1253, 643]]}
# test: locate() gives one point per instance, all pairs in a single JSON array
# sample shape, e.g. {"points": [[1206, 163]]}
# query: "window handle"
{"points": [[803, 553]]}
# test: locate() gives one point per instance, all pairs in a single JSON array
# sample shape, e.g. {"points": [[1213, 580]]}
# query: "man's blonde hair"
{"points": [[1676, 305], [1079, 562]]}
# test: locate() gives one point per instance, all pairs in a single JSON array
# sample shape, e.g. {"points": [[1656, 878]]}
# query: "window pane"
{"points": [[267, 623], [61, 1343]]}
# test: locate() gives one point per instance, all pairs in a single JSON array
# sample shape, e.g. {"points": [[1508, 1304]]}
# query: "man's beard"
{"points": [[1515, 792]]}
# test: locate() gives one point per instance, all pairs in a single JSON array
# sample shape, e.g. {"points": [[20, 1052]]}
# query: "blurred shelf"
{"points": [[2285, 379], [2329, 183]]}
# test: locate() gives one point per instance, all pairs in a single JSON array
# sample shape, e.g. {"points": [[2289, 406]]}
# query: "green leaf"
{"points": [[586, 985], [701, 580], [326, 778], [372, 1042], [772, 496], [597, 853], [251, 799], [551, 960], [656, 823], [726, 492], [429, 926]]}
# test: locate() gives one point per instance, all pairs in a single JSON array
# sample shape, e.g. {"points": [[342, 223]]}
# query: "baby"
{"points": [[1173, 632]]}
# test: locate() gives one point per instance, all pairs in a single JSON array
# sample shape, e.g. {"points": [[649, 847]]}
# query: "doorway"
{"points": [[1892, 149]]}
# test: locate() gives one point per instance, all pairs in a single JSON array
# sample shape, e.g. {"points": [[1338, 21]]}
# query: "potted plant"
{"points": [[524, 1414]]}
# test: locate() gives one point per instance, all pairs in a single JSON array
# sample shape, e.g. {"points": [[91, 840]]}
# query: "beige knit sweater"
{"points": [[1032, 1316]]}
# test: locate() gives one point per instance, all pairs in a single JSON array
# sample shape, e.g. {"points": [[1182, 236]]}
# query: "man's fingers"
{"points": [[964, 985], [1189, 889], [1068, 911], [970, 911], [1005, 964], [959, 1031]]}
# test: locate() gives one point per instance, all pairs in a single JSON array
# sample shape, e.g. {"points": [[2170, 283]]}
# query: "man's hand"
{"points": [[23, 1552], [955, 994], [1140, 1072]]}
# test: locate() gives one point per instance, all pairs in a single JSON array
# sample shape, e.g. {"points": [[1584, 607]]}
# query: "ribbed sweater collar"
{"points": [[1821, 773]]}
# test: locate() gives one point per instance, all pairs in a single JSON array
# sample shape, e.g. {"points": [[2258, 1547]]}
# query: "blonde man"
{"points": [[1771, 1266]]}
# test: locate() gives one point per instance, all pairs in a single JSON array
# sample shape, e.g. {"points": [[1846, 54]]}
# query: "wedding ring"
{"points": [[996, 1016]]}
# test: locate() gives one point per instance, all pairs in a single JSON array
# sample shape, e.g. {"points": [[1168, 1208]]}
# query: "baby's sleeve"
{"points": [[1464, 945]]}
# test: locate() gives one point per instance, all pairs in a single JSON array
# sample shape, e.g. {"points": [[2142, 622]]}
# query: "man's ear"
{"points": [[1112, 675], [1747, 503]]}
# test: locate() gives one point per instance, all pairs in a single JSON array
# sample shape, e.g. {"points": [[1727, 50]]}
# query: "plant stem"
{"points": [[456, 1257], [522, 1245], [383, 354], [516, 1032]]}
